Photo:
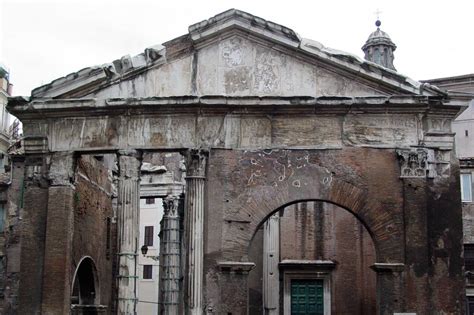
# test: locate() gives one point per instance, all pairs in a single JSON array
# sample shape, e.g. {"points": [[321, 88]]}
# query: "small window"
{"points": [[377, 57], [466, 133], [148, 241], [150, 201], [147, 271], [466, 187]]}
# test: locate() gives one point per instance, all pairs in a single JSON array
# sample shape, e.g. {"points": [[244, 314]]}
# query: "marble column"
{"points": [[170, 257], [271, 258], [194, 216], [128, 205]]}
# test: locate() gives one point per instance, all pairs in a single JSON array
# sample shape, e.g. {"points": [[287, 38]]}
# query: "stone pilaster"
{"points": [[390, 287], [195, 178], [128, 206], [233, 286], [271, 258], [170, 255]]}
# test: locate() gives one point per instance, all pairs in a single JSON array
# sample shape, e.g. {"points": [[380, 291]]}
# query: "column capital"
{"points": [[170, 205], [129, 164], [196, 163], [61, 169]]}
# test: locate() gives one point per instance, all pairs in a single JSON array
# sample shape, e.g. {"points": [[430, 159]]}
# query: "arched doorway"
{"points": [[312, 255], [85, 289]]}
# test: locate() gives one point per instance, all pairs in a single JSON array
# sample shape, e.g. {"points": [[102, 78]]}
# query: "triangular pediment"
{"points": [[236, 54]]}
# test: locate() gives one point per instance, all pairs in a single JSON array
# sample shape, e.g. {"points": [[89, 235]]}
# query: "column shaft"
{"points": [[271, 258], [128, 230], [170, 254], [195, 179]]}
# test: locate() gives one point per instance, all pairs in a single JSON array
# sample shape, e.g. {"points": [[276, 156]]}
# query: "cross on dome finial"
{"points": [[379, 47], [377, 13]]}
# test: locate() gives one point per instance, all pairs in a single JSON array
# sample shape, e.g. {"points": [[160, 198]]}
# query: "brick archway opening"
{"points": [[355, 215], [313, 242], [85, 287]]}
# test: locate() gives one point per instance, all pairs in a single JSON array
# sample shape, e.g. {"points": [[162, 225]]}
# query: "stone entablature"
{"points": [[235, 122]]}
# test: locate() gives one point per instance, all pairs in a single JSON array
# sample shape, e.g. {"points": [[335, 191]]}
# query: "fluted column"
{"points": [[195, 178], [128, 203], [170, 255], [271, 258]]}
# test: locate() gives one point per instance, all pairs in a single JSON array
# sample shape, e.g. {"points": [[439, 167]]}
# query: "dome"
{"points": [[379, 48], [379, 37]]}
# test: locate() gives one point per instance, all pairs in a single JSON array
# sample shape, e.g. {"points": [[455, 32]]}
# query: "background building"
{"points": [[5, 118], [151, 212], [9, 242]]}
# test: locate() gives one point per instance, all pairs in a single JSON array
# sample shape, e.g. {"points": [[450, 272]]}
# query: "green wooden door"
{"points": [[307, 297]]}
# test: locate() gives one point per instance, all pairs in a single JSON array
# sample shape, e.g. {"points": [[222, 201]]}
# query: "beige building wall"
{"points": [[150, 215], [5, 118]]}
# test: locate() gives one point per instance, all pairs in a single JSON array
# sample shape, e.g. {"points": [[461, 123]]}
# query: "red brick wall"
{"points": [[322, 231], [93, 211]]}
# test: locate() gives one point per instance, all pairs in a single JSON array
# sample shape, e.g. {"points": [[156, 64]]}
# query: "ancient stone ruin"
{"points": [[294, 166]]}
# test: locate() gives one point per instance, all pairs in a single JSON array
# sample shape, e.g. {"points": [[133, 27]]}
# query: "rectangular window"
{"points": [[469, 257], [147, 271], [466, 187], [470, 305], [148, 241], [150, 201]]}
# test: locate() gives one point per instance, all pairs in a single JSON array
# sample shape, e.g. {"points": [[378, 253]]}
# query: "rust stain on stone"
{"points": [[157, 139]]}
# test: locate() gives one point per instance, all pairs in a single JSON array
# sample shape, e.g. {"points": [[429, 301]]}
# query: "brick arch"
{"points": [[384, 226], [86, 282]]}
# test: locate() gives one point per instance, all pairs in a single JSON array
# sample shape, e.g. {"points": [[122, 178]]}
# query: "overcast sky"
{"points": [[41, 40]]}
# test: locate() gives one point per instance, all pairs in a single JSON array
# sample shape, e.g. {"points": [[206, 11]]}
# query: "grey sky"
{"points": [[42, 40]]}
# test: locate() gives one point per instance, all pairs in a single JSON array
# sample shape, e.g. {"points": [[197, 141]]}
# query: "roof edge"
{"points": [[234, 17]]}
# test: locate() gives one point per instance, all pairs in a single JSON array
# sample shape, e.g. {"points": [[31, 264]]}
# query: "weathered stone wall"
{"points": [[247, 186], [255, 281], [94, 224], [322, 125], [238, 66], [12, 195], [445, 241]]}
